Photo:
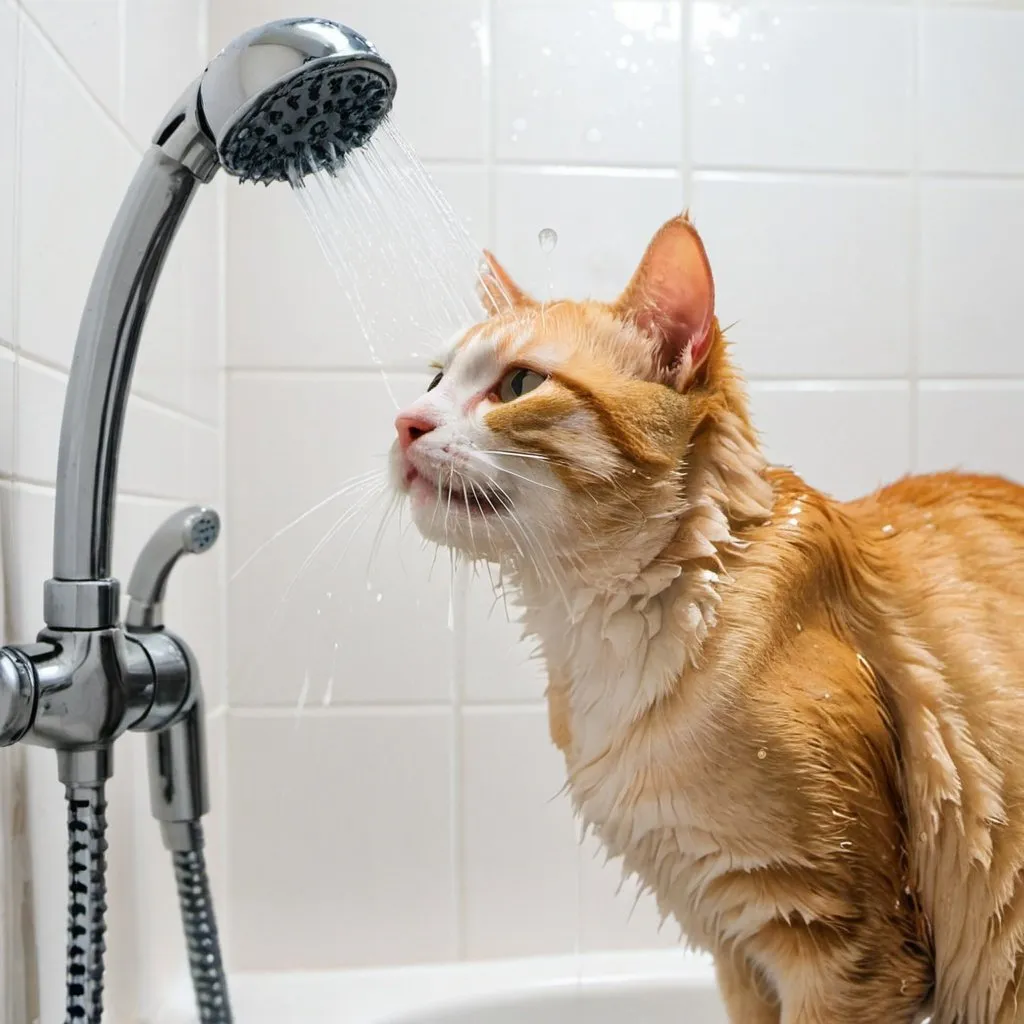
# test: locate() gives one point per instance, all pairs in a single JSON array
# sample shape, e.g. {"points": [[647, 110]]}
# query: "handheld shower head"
{"points": [[293, 96]]}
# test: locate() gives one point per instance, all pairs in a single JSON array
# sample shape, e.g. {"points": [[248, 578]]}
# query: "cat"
{"points": [[799, 722]]}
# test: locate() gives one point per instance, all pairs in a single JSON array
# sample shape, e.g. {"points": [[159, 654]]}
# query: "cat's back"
{"points": [[947, 529]]}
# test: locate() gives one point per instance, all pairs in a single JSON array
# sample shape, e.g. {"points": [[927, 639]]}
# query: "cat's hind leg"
{"points": [[748, 997]]}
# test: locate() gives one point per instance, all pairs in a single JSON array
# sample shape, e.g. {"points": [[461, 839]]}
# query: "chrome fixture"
{"points": [[280, 101]]}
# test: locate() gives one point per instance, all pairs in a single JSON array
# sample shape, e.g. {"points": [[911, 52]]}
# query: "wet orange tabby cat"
{"points": [[800, 722]]}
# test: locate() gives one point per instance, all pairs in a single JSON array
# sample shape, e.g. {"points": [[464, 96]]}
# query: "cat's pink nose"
{"points": [[410, 428]]}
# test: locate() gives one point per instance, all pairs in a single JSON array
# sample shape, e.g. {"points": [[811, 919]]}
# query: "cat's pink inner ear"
{"points": [[672, 298], [497, 291]]}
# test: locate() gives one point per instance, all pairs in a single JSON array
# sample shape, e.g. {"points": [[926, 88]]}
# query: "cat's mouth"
{"points": [[452, 490]]}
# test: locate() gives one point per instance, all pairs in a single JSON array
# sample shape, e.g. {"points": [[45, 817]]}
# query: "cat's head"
{"points": [[557, 430]]}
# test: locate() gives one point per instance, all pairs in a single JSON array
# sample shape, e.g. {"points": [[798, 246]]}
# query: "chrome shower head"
{"points": [[293, 96]]}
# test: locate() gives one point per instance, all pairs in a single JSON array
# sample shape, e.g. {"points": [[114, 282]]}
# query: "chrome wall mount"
{"points": [[285, 99]]}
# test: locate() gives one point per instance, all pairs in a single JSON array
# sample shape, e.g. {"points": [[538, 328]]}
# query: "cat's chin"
{"points": [[467, 522]]}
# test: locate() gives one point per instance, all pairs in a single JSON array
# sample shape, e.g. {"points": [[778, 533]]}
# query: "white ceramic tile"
{"points": [[972, 303], [341, 840], [202, 463], [786, 85], [6, 542], [436, 50], [614, 914], [974, 427], [467, 190], [29, 561], [817, 272], [499, 665], [200, 348], [154, 452], [88, 36], [593, 81], [64, 216], [8, 170], [40, 408], [161, 56], [8, 410], [595, 254], [972, 79], [521, 855], [283, 310], [843, 439], [311, 624]]}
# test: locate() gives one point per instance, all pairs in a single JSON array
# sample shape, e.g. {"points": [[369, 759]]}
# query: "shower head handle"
{"points": [[191, 531]]}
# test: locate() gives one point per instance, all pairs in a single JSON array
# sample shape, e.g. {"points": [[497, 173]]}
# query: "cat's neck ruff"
{"points": [[622, 629]]}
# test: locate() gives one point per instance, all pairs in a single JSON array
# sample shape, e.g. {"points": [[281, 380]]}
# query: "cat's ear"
{"points": [[672, 299], [497, 291]]}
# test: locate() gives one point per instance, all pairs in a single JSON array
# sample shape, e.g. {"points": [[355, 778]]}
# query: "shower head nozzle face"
{"points": [[307, 122], [294, 96]]}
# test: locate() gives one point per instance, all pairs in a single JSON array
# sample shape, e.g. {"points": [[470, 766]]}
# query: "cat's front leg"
{"points": [[748, 997]]}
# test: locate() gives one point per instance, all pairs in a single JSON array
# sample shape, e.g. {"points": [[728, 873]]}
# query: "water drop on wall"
{"points": [[547, 238]]}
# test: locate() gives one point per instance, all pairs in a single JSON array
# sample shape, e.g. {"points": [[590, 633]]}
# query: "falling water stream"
{"points": [[407, 266]]}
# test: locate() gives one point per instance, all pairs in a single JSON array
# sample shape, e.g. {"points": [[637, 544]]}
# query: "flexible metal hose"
{"points": [[87, 902], [201, 940]]}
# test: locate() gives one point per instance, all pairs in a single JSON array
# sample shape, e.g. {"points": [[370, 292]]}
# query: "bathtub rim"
{"points": [[377, 995]]}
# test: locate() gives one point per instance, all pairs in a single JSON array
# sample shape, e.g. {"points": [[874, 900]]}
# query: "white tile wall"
{"points": [[854, 169], [82, 85]]}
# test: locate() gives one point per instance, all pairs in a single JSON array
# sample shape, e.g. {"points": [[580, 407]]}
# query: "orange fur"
{"points": [[797, 721]]}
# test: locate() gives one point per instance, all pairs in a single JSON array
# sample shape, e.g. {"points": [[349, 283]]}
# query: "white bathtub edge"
{"points": [[366, 996]]}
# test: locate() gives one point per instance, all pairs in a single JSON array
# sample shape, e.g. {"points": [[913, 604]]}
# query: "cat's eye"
{"points": [[517, 383], [437, 380]]}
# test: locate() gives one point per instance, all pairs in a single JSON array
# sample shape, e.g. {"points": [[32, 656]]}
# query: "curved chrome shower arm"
{"points": [[182, 157]]}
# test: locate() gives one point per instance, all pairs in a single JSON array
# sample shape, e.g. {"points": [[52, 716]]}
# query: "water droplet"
{"points": [[826, 695], [593, 135], [519, 124], [846, 845], [380, 597], [887, 528], [903, 986], [923, 836], [799, 627], [762, 754], [547, 239], [329, 595]]}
